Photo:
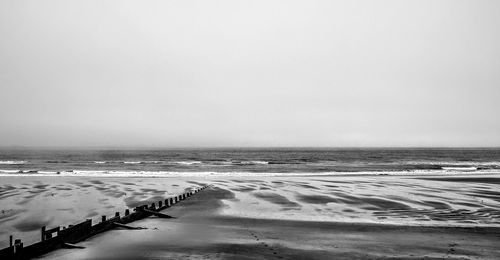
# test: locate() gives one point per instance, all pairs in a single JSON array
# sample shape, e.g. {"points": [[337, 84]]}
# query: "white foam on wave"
{"points": [[187, 162], [140, 162], [454, 163], [131, 173], [13, 162], [254, 162]]}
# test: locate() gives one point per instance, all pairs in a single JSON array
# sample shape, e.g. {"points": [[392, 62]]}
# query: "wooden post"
{"points": [[172, 201], [10, 242], [153, 206], [18, 246], [103, 218], [127, 212], [160, 203], [117, 214], [43, 233]]}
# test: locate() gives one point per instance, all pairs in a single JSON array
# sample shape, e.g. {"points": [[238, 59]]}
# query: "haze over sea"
{"points": [[248, 161]]}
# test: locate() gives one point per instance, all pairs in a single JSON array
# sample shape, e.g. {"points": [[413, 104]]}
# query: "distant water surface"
{"points": [[168, 161]]}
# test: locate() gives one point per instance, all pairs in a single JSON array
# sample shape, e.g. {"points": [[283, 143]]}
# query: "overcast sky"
{"points": [[250, 73]]}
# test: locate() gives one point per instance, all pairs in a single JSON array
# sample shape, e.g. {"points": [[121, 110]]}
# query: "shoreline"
{"points": [[159, 174]]}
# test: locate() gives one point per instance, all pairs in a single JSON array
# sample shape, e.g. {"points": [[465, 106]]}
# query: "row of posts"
{"points": [[17, 245], [47, 234]]}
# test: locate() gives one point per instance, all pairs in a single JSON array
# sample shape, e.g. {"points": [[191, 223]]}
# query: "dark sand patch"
{"points": [[371, 203], [197, 183], [437, 204], [128, 183], [276, 199], [151, 190], [385, 204], [32, 223], [30, 196], [92, 214], [315, 199], [72, 210], [243, 189], [308, 186], [40, 186], [62, 188], [114, 193], [23, 202]]}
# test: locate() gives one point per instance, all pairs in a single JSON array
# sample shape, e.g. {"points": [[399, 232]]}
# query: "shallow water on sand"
{"points": [[28, 203], [394, 200]]}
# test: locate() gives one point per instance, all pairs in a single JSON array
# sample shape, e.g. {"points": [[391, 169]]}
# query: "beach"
{"points": [[290, 217]]}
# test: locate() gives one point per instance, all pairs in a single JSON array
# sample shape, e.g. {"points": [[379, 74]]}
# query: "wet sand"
{"points": [[313, 217]]}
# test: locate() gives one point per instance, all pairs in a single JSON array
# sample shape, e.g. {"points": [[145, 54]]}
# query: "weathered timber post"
{"points": [[87, 229], [10, 240], [18, 246], [103, 218], [127, 212], [172, 201], [117, 214], [153, 206], [160, 204], [43, 233]]}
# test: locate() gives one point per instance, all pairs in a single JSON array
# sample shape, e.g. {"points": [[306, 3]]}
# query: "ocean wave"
{"points": [[454, 163], [457, 168], [141, 162], [13, 162], [187, 162], [132, 173], [251, 162]]}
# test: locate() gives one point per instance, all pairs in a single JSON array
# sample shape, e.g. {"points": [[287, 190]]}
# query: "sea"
{"points": [[248, 161]]}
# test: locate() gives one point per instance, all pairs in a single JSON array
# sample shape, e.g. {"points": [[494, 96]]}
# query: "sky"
{"points": [[222, 73]]}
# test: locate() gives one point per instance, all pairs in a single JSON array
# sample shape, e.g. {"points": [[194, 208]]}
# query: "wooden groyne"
{"points": [[60, 237]]}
